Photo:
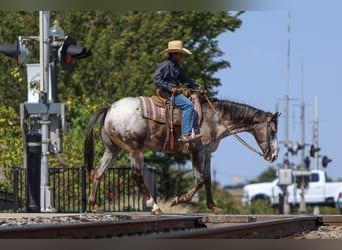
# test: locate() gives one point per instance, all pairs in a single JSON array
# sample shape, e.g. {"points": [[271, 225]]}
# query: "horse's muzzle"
{"points": [[271, 157]]}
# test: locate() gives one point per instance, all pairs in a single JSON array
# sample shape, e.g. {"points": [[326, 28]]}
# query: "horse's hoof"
{"points": [[157, 211], [97, 210], [218, 211], [175, 202]]}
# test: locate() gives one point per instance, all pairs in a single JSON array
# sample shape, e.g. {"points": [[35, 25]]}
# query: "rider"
{"points": [[167, 78]]}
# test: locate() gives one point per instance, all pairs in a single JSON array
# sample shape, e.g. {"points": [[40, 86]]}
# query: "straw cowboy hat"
{"points": [[175, 46]]}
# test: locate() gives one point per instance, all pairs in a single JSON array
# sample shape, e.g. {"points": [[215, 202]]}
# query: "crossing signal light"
{"points": [[18, 52], [69, 53], [313, 150], [295, 148], [325, 161], [9, 50]]}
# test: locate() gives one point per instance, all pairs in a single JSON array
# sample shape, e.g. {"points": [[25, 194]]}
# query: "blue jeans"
{"points": [[188, 112]]}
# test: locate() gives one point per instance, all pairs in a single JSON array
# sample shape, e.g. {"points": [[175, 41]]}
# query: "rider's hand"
{"points": [[202, 90], [174, 90]]}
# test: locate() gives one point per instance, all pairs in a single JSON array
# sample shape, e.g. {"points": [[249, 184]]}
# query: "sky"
{"points": [[272, 55]]}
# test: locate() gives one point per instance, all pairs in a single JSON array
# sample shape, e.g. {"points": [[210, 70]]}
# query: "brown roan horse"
{"points": [[123, 127]]}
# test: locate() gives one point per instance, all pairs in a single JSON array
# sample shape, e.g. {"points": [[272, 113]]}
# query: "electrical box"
{"points": [[285, 176]]}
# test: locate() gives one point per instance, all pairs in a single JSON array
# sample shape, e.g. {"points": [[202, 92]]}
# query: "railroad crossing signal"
{"points": [[295, 148], [325, 161], [69, 52], [313, 150], [18, 52]]}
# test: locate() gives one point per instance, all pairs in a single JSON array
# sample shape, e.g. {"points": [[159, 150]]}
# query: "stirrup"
{"points": [[187, 138]]}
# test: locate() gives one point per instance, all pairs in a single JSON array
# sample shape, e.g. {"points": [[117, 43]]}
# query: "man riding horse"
{"points": [[167, 78], [123, 126]]}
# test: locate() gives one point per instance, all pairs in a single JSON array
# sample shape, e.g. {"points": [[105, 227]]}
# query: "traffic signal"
{"points": [[69, 52], [9, 50], [313, 150], [295, 148], [18, 52], [325, 161]]}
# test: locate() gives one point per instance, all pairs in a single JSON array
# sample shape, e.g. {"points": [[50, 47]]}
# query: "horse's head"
{"points": [[265, 134]]}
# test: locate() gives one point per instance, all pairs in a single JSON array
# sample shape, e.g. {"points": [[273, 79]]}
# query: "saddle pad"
{"points": [[152, 111]]}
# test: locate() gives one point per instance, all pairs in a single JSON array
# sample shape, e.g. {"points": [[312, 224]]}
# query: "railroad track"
{"points": [[176, 227]]}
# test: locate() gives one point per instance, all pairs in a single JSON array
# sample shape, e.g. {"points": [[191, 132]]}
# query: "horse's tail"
{"points": [[89, 147]]}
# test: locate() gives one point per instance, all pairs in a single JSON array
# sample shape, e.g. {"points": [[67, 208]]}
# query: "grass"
{"points": [[184, 208], [230, 202]]}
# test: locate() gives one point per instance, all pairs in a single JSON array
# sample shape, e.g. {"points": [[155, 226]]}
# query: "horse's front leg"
{"points": [[188, 196], [197, 164], [201, 166], [207, 184], [137, 163]]}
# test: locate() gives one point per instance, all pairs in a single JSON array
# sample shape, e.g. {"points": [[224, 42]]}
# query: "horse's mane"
{"points": [[237, 111]]}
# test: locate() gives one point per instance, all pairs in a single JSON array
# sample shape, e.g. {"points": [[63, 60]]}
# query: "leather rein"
{"points": [[243, 142]]}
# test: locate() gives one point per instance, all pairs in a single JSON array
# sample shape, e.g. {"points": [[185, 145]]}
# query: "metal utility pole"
{"points": [[302, 114], [285, 174], [303, 174], [315, 139], [315, 132], [46, 192], [286, 97]]}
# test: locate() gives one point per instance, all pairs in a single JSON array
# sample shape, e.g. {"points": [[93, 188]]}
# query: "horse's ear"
{"points": [[276, 116]]}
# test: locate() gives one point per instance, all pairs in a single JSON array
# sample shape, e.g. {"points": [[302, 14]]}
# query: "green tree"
{"points": [[126, 49], [11, 149]]}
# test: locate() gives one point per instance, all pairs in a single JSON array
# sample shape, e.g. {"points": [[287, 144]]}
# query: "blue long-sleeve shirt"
{"points": [[169, 74]]}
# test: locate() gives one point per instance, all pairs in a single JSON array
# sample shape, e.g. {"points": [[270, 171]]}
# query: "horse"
{"points": [[122, 126]]}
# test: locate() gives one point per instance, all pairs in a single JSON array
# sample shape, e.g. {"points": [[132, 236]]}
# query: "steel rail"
{"points": [[272, 229], [176, 227], [116, 229], [331, 220]]}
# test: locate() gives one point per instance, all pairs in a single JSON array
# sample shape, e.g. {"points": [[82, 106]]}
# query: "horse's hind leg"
{"points": [[137, 163], [100, 169]]}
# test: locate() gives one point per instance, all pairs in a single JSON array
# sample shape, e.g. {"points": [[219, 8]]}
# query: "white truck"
{"points": [[319, 192]]}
